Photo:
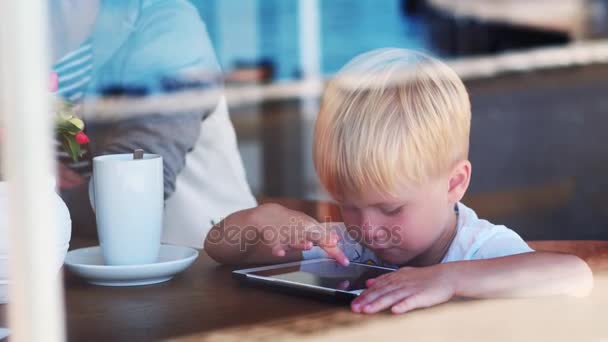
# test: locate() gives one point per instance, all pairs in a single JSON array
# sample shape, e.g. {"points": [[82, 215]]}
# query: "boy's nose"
{"points": [[376, 235], [370, 231]]}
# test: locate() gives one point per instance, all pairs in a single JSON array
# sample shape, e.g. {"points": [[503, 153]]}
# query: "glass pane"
{"points": [[211, 106], [155, 77]]}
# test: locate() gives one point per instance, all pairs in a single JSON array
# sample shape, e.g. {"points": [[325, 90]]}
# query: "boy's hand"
{"points": [[314, 234], [406, 289], [279, 234]]}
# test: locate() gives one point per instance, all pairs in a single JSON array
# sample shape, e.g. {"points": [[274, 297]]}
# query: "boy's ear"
{"points": [[459, 181]]}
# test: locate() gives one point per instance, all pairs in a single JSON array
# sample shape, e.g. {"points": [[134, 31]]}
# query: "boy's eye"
{"points": [[392, 212]]}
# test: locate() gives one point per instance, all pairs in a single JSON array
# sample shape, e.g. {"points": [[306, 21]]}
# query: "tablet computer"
{"points": [[319, 277]]}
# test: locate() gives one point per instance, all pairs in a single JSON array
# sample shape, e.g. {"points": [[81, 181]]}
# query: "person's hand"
{"points": [[407, 289], [68, 179]]}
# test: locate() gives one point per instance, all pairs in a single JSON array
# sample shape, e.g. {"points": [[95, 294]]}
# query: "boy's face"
{"points": [[400, 228]]}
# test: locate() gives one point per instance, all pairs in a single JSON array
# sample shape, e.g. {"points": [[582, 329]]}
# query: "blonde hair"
{"points": [[390, 117]]}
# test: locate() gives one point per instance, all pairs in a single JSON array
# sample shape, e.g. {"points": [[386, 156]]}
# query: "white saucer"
{"points": [[88, 263]]}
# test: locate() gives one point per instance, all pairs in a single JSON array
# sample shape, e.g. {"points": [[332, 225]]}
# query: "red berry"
{"points": [[82, 138]]}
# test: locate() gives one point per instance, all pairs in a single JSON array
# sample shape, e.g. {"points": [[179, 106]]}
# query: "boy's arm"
{"points": [[269, 233], [521, 275]]}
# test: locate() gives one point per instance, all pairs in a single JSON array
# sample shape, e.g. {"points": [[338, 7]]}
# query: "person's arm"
{"points": [[168, 38], [521, 275], [169, 41], [269, 233], [171, 137]]}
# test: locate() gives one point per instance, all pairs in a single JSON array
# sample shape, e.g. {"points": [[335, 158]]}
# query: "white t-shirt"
{"points": [[475, 239]]}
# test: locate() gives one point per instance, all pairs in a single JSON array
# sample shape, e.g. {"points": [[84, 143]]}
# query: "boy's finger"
{"points": [[410, 303], [385, 301], [322, 238], [302, 245], [344, 285], [278, 250], [337, 254], [371, 294]]}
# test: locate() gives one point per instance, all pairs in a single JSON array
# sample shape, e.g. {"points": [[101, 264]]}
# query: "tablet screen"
{"points": [[326, 273]]}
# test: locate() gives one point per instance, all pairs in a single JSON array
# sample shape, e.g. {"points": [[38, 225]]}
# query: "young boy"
{"points": [[391, 146]]}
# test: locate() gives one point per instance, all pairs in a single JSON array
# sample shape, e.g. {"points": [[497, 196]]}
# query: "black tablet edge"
{"points": [[286, 287]]}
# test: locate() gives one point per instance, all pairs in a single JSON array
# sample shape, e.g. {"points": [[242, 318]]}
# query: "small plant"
{"points": [[69, 129]]}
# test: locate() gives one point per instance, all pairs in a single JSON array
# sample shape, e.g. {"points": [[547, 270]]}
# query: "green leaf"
{"points": [[67, 127], [77, 122], [71, 146]]}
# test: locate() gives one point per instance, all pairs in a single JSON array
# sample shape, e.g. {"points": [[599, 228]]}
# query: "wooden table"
{"points": [[206, 303]]}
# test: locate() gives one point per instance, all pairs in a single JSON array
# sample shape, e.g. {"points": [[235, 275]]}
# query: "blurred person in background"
{"points": [[138, 47]]}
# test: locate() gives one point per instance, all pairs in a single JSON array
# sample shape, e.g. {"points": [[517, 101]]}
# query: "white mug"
{"points": [[127, 196]]}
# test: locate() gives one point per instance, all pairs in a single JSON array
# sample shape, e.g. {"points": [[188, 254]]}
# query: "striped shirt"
{"points": [[74, 71]]}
